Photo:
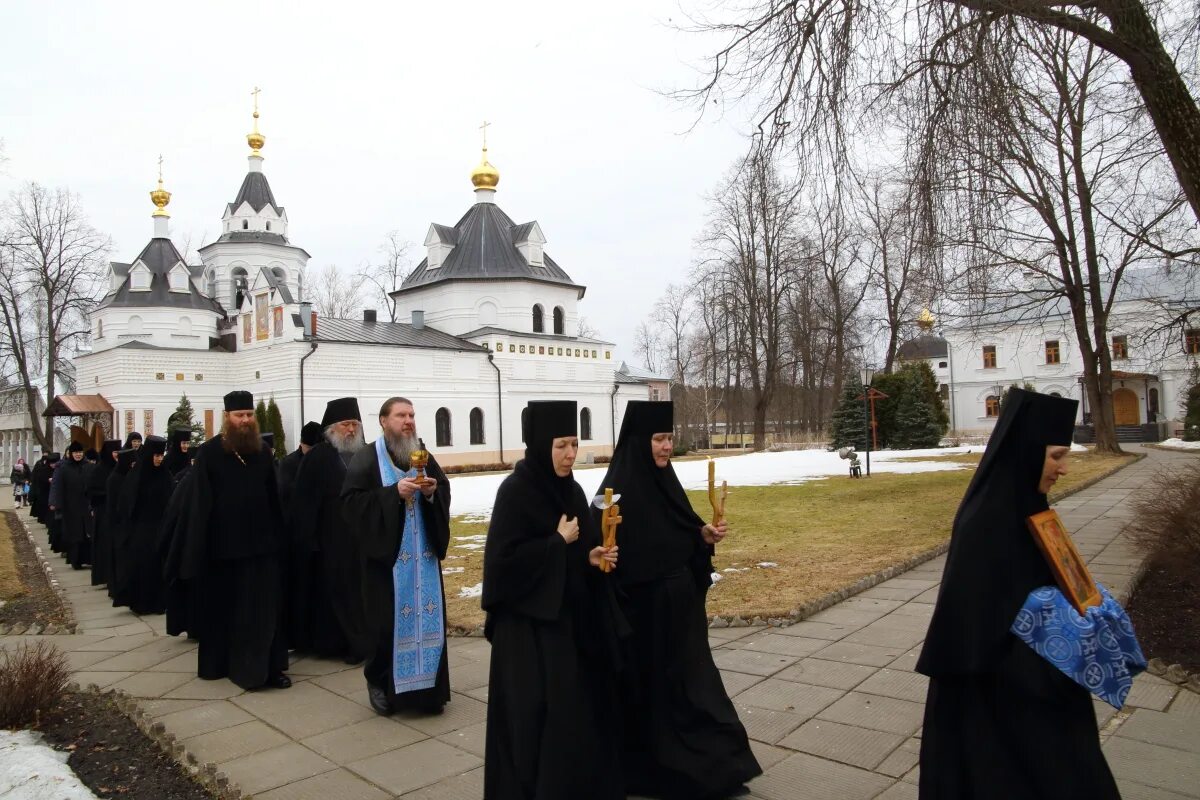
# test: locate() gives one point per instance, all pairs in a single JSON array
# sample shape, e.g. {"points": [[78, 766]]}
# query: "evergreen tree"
{"points": [[184, 417], [275, 426], [916, 422], [1191, 407], [925, 383], [895, 385], [849, 422], [260, 414]]}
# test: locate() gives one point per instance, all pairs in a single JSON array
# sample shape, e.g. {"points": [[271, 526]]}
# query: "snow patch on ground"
{"points": [[30, 770], [1179, 444], [716, 576], [472, 591], [473, 495], [766, 565], [453, 570]]}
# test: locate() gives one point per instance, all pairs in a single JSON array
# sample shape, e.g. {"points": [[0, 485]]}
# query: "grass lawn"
{"points": [[822, 535]]}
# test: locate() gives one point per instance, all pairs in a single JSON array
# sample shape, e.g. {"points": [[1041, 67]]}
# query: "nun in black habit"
{"points": [[39, 489], [114, 525], [138, 577], [68, 498], [551, 726], [178, 456], [97, 493], [683, 738], [1001, 722]]}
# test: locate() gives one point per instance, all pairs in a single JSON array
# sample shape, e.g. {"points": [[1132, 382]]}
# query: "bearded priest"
{"points": [[403, 527]]}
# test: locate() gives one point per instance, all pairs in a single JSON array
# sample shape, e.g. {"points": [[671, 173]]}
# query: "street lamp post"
{"points": [[866, 373]]}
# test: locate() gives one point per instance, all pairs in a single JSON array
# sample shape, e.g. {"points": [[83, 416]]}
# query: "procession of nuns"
{"points": [[602, 684]]}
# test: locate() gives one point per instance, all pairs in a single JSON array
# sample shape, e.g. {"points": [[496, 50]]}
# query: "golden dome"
{"points": [[255, 139], [485, 176], [925, 320], [160, 196]]}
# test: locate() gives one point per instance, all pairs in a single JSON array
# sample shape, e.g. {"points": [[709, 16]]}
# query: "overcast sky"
{"points": [[372, 115]]}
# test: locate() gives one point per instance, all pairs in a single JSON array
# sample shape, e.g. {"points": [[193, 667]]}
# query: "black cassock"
{"points": [[376, 516], [39, 490], [114, 524], [1001, 722], [682, 735], [325, 612], [228, 544], [285, 475], [74, 512], [97, 494], [552, 727], [180, 593], [137, 567]]}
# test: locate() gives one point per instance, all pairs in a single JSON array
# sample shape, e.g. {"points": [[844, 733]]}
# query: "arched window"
{"points": [[992, 405], [539, 320], [1056, 394], [559, 320], [585, 423], [134, 326], [476, 426], [185, 326], [524, 422], [441, 422], [268, 226], [280, 273], [245, 224]]}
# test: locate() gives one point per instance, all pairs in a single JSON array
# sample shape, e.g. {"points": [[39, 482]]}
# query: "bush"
{"points": [[680, 450], [1168, 520], [32, 678]]}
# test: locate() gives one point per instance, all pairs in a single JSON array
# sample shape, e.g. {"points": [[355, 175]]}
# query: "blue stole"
{"points": [[418, 635], [1098, 649]]}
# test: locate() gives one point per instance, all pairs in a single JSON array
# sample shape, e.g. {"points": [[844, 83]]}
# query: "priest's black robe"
{"points": [[552, 727], [138, 579], [1001, 722], [229, 544], [97, 493], [376, 515], [181, 594], [115, 525], [682, 736], [54, 510], [325, 612], [39, 490], [74, 511]]}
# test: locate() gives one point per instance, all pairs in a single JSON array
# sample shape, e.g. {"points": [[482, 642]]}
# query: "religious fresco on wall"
{"points": [[277, 318], [245, 328], [262, 322]]}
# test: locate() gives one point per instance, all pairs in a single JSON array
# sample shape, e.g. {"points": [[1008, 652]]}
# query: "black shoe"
{"points": [[278, 681], [379, 700]]}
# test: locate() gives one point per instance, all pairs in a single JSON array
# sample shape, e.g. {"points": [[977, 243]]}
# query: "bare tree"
{"points": [[816, 67], [336, 295], [647, 344], [386, 276], [587, 330], [52, 264]]}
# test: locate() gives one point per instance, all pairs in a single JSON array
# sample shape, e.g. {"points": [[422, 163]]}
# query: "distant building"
{"points": [[16, 430]]}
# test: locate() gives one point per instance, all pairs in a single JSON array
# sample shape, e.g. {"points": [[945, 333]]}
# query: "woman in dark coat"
{"points": [[683, 738], [551, 731], [114, 524], [138, 575], [97, 493], [1001, 722]]}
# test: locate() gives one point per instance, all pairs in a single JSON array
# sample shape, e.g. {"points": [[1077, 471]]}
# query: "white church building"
{"points": [[1153, 359], [486, 322]]}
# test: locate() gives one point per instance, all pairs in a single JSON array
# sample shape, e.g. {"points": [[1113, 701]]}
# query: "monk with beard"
{"points": [[325, 610], [403, 529], [229, 543]]}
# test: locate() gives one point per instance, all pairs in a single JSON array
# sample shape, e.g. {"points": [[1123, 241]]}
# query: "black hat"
{"points": [[269, 438], [90, 454], [340, 410], [74, 447], [109, 447], [125, 458], [550, 419], [239, 401], [53, 458], [156, 445], [181, 435], [646, 418], [311, 433]]}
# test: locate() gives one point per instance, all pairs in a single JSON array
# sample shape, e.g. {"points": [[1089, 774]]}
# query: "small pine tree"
{"points": [[926, 385], [275, 426], [895, 385], [260, 414], [848, 426], [184, 417], [916, 423]]}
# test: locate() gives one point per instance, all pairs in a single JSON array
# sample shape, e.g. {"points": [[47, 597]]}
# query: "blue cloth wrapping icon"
{"points": [[419, 635], [1098, 649]]}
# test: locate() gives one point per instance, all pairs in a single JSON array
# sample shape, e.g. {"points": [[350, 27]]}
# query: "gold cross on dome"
{"points": [[484, 128], [160, 169], [255, 94]]}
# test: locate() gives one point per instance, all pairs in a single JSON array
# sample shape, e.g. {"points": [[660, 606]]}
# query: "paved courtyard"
{"points": [[832, 703]]}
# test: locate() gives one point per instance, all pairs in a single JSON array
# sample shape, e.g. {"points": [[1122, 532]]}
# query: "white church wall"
{"points": [[460, 307], [161, 327]]}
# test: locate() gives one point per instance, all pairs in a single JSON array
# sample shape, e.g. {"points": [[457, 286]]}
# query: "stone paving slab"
{"points": [[832, 704]]}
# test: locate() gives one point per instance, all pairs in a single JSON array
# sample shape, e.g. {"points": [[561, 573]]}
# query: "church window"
{"points": [[594, 354], [139, 280], [476, 426], [1191, 342], [560, 351], [522, 348], [1120, 347], [941, 365], [185, 326], [585, 423], [268, 226], [1152, 403], [441, 424], [992, 405], [179, 280], [989, 356], [134, 325], [944, 393], [577, 352], [512, 348], [559, 320], [539, 321], [1056, 394], [245, 224], [99, 329], [1052, 352], [608, 354]]}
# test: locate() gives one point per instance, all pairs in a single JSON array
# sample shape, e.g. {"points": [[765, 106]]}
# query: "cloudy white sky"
{"points": [[372, 114]]}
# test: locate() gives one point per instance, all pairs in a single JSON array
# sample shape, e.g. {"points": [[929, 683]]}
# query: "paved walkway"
{"points": [[831, 703]]}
